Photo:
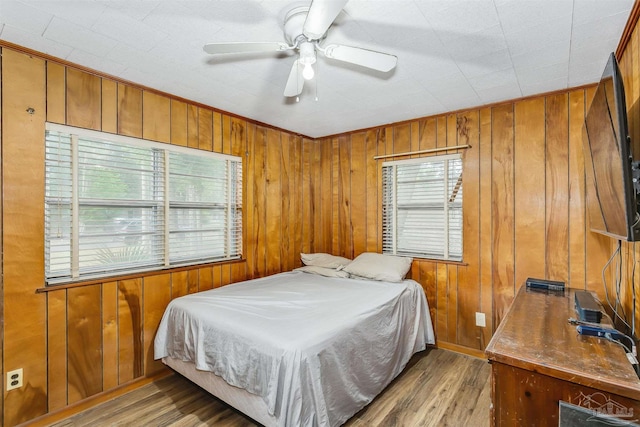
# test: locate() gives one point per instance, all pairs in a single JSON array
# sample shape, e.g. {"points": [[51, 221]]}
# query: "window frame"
{"points": [[233, 206], [389, 231]]}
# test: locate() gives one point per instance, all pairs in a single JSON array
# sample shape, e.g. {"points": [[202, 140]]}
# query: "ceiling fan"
{"points": [[305, 27]]}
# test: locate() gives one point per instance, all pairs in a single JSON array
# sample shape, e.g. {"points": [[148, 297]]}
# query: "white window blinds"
{"points": [[422, 207], [205, 209], [116, 205]]}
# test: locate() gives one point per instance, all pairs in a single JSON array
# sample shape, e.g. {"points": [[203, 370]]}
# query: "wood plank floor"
{"points": [[438, 388]]}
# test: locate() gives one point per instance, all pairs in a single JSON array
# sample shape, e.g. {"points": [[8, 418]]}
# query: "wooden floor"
{"points": [[438, 388]]}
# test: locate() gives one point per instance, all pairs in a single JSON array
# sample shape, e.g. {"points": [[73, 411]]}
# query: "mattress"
{"points": [[315, 349]]}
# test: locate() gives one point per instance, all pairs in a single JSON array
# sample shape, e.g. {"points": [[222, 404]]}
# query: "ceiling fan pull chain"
{"points": [[316, 82]]}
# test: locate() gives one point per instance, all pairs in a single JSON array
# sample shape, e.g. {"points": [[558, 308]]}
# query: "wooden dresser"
{"points": [[538, 359]]}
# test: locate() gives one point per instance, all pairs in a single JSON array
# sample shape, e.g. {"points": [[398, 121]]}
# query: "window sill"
{"points": [[441, 261], [67, 285]]}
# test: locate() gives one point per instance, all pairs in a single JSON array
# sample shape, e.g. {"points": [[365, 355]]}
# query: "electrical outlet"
{"points": [[14, 379], [480, 320]]}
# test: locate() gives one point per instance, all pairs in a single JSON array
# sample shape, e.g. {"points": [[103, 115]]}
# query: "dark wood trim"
{"points": [[442, 261], [60, 286], [462, 349], [628, 29], [35, 53]]}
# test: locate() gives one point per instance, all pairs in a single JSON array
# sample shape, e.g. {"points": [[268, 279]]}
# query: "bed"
{"points": [[296, 349]]}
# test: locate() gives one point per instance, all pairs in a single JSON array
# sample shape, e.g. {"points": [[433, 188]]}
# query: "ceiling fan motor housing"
{"points": [[293, 24]]}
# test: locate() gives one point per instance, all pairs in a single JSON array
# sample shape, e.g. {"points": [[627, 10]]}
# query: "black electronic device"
{"points": [[612, 184], [588, 307], [543, 284]]}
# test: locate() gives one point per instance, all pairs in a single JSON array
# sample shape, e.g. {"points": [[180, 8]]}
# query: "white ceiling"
{"points": [[452, 54]]}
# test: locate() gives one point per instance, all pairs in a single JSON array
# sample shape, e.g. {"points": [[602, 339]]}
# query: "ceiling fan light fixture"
{"points": [[308, 72], [307, 58]]}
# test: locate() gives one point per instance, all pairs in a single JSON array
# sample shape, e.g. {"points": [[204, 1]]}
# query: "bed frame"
{"points": [[249, 404]]}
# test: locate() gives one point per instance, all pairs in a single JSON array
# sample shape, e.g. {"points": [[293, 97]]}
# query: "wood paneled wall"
{"points": [[78, 342], [524, 209]]}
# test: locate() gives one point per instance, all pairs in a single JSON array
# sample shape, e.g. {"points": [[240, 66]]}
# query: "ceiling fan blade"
{"points": [[364, 57], [321, 15], [244, 47], [295, 83]]}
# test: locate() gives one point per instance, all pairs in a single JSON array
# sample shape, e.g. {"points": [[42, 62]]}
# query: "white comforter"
{"points": [[316, 349]]}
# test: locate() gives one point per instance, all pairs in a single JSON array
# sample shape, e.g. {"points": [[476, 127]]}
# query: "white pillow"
{"points": [[324, 260], [376, 266], [322, 271]]}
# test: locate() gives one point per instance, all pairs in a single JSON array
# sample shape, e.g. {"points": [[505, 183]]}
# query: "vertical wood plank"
{"points": [[326, 196], [225, 274], [129, 110], [192, 281], [295, 207], [358, 214], [285, 202], [130, 350], [273, 192], [577, 208], [442, 301], [308, 197], [486, 223], [205, 129], [157, 294], [260, 202], [205, 279], [402, 138], [452, 303], [217, 276], [469, 277], [179, 284], [336, 197], [218, 140], [415, 137], [317, 229], [529, 181], [428, 280], [23, 86], [57, 349], [156, 117], [178, 123], [225, 131], [557, 204], [428, 132], [452, 133], [238, 146], [56, 93], [192, 126], [110, 335], [109, 106], [83, 99], [248, 203], [373, 223], [85, 343], [441, 131], [345, 226], [502, 210], [388, 140]]}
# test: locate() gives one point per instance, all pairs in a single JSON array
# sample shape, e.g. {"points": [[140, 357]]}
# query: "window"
{"points": [[116, 205], [422, 207]]}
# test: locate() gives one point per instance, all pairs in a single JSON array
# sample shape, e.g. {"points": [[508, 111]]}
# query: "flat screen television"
{"points": [[611, 174]]}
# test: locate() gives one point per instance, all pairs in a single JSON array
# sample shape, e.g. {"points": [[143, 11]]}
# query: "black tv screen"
{"points": [[611, 193]]}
